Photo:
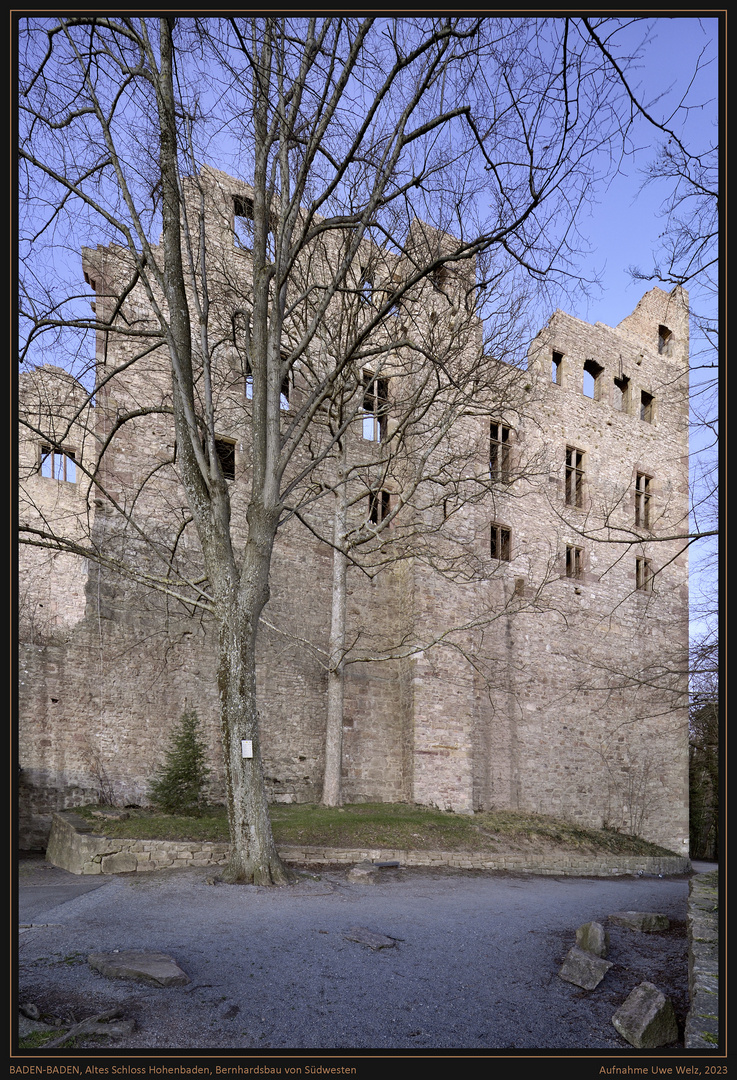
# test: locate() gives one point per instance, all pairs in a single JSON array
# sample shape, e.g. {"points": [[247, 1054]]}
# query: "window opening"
{"points": [[642, 501], [379, 506], [243, 222], [556, 368], [646, 406], [665, 341], [574, 561], [644, 574], [366, 287], [500, 543], [244, 226], [574, 476], [440, 276], [58, 465], [283, 393], [620, 393], [375, 406], [591, 373], [225, 450], [499, 451]]}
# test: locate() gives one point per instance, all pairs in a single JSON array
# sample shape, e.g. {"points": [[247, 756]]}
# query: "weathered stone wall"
{"points": [[76, 846], [702, 1022], [496, 682]]}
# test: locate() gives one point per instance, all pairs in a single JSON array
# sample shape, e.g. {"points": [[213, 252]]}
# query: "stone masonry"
{"points": [[539, 677]]}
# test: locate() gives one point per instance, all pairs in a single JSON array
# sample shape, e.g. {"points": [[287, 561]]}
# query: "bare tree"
{"points": [[349, 132], [428, 429]]}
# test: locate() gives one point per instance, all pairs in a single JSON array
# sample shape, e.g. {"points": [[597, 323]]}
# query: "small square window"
{"points": [[644, 575], [501, 543], [58, 465]]}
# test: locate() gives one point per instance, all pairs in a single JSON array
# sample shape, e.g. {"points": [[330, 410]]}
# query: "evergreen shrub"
{"points": [[179, 785]]}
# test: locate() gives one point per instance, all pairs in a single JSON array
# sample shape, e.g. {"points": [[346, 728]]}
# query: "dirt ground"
{"points": [[474, 965]]}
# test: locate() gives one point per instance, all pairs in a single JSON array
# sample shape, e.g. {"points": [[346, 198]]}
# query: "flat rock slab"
{"points": [[149, 967], [593, 938], [363, 871], [584, 968], [364, 936], [646, 1019], [648, 921]]}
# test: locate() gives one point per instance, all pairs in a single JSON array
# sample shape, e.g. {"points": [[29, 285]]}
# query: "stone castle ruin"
{"points": [[516, 632]]}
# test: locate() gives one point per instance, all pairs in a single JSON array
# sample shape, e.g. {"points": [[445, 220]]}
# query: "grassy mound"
{"points": [[389, 825]]}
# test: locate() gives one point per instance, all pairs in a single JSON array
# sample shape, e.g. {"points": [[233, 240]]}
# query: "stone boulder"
{"points": [[646, 1019], [593, 938], [584, 968], [149, 967], [648, 921]]}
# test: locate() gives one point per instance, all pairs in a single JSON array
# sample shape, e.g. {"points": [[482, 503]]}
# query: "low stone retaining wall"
{"points": [[702, 1023], [532, 863], [76, 846]]}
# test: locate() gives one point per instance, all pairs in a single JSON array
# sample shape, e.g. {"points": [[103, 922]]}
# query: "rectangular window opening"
{"points": [[647, 406], [366, 286], [284, 390], [243, 222], [643, 496], [375, 406], [644, 575], [591, 373], [244, 226], [574, 561], [499, 452], [58, 465], [620, 394], [379, 506], [556, 369], [574, 477], [225, 450], [440, 276], [665, 341], [501, 546]]}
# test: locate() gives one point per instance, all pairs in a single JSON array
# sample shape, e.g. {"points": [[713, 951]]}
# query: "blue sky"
{"points": [[624, 224]]}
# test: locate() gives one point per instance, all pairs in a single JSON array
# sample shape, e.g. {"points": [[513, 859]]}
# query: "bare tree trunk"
{"points": [[332, 794], [253, 854]]}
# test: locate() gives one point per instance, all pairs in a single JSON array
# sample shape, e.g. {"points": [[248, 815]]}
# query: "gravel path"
{"points": [[475, 962]]}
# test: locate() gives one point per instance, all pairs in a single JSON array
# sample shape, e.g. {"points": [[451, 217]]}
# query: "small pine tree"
{"points": [[178, 787]]}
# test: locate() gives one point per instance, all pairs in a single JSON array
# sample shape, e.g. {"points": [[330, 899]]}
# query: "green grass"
{"points": [[389, 825], [35, 1040]]}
